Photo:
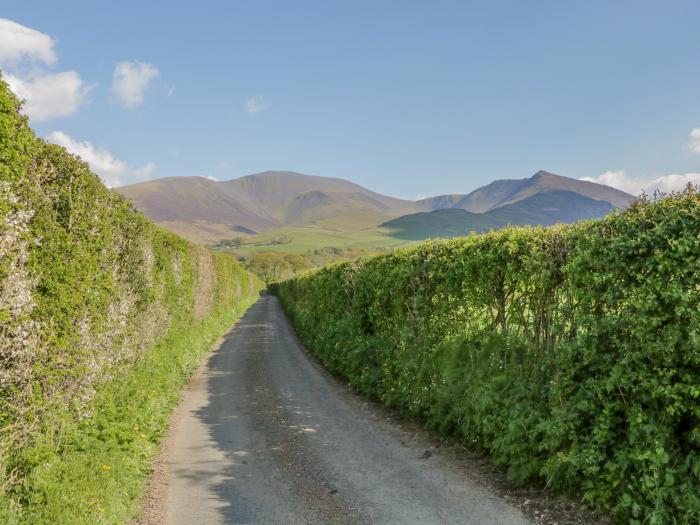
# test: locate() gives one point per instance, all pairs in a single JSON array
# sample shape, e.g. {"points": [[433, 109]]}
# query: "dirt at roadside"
{"points": [[536, 504]]}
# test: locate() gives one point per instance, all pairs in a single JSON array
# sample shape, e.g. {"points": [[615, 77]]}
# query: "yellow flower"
{"points": [[106, 467]]}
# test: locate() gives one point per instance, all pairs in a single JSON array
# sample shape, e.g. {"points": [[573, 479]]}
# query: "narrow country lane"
{"points": [[264, 435]]}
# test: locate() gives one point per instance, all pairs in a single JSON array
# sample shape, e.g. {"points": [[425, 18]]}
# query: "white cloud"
{"points": [[18, 43], [49, 95], [694, 141], [650, 184], [211, 177], [255, 105], [672, 182], [46, 95], [130, 81], [636, 185], [617, 179], [113, 171]]}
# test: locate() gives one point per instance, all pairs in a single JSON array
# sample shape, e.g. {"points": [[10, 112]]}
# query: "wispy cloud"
{"points": [[47, 95], [112, 171], [255, 105], [636, 185], [694, 141], [130, 80]]}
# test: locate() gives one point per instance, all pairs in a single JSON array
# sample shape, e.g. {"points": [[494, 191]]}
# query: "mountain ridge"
{"points": [[505, 191], [541, 209], [206, 210]]}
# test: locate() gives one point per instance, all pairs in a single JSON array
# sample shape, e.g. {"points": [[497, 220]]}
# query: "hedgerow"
{"points": [[90, 291], [570, 353]]}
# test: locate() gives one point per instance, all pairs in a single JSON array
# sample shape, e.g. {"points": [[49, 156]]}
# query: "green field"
{"points": [[301, 239]]}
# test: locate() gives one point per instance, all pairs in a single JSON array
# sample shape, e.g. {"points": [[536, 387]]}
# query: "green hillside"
{"points": [[440, 223], [303, 238]]}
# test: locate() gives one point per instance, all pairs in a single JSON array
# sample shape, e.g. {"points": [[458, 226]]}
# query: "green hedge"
{"points": [[572, 354], [90, 290]]}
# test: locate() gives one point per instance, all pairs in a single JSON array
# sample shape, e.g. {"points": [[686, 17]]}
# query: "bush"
{"points": [[571, 353], [89, 289]]}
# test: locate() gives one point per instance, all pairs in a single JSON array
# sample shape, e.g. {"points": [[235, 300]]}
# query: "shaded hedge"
{"points": [[571, 353], [88, 286]]}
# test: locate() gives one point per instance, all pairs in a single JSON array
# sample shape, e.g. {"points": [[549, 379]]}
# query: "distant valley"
{"points": [[281, 208]]}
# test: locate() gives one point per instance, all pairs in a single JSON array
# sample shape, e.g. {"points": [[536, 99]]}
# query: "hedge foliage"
{"points": [[88, 286], [571, 353]]}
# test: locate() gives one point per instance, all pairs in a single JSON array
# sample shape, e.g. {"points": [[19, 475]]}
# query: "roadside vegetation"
{"points": [[570, 353], [273, 266], [103, 316]]}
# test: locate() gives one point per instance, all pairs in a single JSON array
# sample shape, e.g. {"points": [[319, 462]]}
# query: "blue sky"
{"points": [[407, 98]]}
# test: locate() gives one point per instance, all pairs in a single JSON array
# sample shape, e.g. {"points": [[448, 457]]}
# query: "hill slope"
{"points": [[287, 195], [206, 210], [209, 206]]}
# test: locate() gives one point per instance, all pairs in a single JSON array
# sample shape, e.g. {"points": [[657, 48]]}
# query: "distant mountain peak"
{"points": [[542, 173], [206, 210], [508, 191]]}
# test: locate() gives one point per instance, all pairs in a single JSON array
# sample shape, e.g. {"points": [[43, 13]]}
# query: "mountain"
{"points": [[504, 192], [205, 210], [282, 194], [550, 207], [198, 208], [543, 209]]}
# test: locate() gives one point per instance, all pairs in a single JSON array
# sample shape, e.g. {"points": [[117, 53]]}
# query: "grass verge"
{"points": [[96, 471]]}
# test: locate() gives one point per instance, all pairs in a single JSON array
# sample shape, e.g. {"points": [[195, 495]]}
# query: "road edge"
{"points": [[151, 507], [535, 503]]}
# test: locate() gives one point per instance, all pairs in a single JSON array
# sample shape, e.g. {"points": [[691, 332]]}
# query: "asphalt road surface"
{"points": [[265, 435]]}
